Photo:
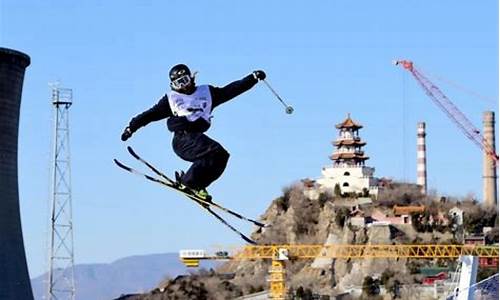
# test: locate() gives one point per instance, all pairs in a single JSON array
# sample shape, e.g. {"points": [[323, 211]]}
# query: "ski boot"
{"points": [[202, 194], [199, 193]]}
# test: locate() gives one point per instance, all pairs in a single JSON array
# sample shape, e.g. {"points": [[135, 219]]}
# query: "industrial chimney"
{"points": [[489, 167], [421, 158], [14, 277]]}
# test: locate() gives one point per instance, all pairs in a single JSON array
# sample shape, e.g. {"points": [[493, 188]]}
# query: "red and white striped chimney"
{"points": [[421, 158]]}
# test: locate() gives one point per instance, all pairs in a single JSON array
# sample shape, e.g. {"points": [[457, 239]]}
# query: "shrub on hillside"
{"points": [[492, 236], [371, 287], [400, 194], [323, 198], [386, 276], [476, 217], [341, 216], [337, 191], [283, 202]]}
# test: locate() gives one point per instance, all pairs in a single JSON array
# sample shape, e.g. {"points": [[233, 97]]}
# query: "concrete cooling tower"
{"points": [[14, 277]]}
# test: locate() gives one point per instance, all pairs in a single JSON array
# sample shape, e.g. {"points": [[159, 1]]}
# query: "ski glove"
{"points": [[127, 133], [259, 75]]}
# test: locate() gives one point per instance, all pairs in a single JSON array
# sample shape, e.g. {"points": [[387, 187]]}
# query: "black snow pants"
{"points": [[209, 158]]}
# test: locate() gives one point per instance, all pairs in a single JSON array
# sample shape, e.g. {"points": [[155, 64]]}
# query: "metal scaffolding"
{"points": [[61, 282]]}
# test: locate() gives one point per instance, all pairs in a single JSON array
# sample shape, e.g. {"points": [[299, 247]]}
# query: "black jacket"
{"points": [[162, 110]]}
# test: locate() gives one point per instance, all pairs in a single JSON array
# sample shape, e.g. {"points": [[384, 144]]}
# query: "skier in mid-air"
{"points": [[188, 108]]}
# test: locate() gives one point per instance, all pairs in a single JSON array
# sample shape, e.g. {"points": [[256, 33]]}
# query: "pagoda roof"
{"points": [[355, 142], [354, 156], [349, 123]]}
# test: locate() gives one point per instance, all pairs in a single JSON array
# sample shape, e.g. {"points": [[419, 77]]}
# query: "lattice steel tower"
{"points": [[61, 282]]}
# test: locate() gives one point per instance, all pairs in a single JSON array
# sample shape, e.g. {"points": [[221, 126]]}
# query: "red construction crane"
{"points": [[445, 104]]}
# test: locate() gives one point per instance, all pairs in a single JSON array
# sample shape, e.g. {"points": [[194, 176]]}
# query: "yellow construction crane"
{"points": [[278, 254]]}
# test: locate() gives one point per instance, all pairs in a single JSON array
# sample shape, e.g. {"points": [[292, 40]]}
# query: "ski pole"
{"points": [[288, 108]]}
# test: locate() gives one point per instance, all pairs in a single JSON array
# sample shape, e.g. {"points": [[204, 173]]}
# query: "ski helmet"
{"points": [[180, 77]]}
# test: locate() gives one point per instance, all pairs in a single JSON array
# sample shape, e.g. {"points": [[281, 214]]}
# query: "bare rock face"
{"points": [[295, 219], [379, 235]]}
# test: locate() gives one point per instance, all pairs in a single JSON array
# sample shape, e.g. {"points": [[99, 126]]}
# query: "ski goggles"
{"points": [[181, 82]]}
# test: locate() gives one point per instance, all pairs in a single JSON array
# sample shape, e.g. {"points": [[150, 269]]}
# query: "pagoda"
{"points": [[349, 171]]}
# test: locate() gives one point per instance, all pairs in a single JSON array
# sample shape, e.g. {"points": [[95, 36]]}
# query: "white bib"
{"points": [[194, 106]]}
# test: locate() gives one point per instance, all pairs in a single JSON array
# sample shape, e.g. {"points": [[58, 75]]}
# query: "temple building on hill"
{"points": [[349, 170]]}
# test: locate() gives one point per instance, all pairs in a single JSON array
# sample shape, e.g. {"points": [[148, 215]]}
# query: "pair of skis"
{"points": [[206, 205]]}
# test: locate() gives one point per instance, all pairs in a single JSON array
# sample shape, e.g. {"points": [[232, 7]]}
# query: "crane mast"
{"points": [[445, 104]]}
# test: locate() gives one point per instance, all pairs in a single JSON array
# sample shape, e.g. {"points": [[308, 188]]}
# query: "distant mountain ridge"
{"points": [[133, 274]]}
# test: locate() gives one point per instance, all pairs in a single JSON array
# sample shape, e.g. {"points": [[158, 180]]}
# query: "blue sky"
{"points": [[326, 58]]}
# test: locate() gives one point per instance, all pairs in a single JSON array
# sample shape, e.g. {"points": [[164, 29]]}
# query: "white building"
{"points": [[349, 170]]}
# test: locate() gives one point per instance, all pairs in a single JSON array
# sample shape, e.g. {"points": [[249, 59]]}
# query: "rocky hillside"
{"points": [[299, 218]]}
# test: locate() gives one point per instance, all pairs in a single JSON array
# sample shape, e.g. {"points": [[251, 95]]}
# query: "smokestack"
{"points": [[14, 277], [489, 168], [421, 158]]}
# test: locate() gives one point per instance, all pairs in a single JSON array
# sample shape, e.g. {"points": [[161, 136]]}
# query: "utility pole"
{"points": [[61, 282]]}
